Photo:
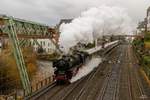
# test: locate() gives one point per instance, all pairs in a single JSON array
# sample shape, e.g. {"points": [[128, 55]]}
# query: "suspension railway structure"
{"points": [[20, 33]]}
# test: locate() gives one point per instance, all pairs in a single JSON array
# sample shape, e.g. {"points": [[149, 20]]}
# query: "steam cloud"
{"points": [[84, 70], [93, 24]]}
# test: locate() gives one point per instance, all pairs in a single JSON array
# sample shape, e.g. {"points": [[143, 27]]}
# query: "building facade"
{"points": [[46, 44]]}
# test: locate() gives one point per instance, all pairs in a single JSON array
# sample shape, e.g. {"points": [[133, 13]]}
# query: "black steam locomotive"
{"points": [[68, 66]]}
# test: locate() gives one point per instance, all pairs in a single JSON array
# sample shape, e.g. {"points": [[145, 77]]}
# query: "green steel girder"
{"points": [[12, 32], [36, 42], [25, 42], [26, 27], [22, 42], [13, 27]]}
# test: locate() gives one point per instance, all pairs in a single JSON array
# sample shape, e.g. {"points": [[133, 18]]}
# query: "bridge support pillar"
{"points": [[11, 30]]}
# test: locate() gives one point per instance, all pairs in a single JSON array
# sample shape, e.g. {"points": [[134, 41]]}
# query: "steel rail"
{"points": [[86, 84], [106, 83], [140, 87], [82, 91], [129, 80], [41, 91], [143, 96], [137, 80], [70, 90]]}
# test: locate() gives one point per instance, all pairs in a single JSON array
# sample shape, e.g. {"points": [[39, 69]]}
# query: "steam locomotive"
{"points": [[68, 65]]}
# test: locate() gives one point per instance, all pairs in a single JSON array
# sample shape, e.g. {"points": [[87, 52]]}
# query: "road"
{"points": [[117, 78]]}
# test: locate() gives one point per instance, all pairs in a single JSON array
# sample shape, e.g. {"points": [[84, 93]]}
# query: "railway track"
{"points": [[131, 87], [134, 72], [110, 88], [112, 85], [38, 93], [126, 85], [118, 81], [86, 86], [76, 93], [83, 85], [125, 92], [129, 78], [54, 92]]}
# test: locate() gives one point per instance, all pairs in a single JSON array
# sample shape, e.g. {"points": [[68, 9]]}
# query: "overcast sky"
{"points": [[51, 11]]}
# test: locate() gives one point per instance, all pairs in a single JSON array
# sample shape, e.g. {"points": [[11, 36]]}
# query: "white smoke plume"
{"points": [[94, 23], [86, 69]]}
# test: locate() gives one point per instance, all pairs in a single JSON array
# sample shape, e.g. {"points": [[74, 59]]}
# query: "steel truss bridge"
{"points": [[20, 32]]}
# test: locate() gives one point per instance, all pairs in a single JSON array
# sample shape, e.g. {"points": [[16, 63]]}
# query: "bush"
{"points": [[146, 60], [147, 36], [9, 74], [147, 45]]}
